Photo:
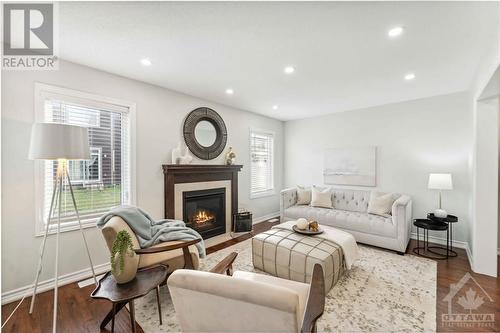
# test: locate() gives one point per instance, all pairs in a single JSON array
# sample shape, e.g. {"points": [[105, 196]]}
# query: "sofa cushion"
{"points": [[347, 220], [321, 197], [303, 195], [380, 203]]}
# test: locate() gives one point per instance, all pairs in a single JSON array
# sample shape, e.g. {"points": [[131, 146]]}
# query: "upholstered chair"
{"points": [[245, 301], [174, 254]]}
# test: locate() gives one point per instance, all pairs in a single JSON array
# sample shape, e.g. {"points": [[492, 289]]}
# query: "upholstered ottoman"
{"points": [[290, 255]]}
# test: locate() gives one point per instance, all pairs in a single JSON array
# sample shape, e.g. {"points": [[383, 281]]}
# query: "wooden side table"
{"points": [[120, 294]]}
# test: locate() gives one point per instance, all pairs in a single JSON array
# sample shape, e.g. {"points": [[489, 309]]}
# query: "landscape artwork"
{"points": [[350, 166]]}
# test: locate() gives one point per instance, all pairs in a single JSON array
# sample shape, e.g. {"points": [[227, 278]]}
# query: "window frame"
{"points": [[271, 191], [41, 92]]}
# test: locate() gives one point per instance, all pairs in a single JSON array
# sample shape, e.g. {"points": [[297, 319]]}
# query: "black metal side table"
{"points": [[450, 220], [426, 225]]}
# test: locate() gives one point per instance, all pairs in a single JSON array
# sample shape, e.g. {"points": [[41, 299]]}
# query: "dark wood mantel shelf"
{"points": [[195, 173]]}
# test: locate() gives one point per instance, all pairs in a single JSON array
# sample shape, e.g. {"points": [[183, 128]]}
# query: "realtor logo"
{"points": [[468, 296], [28, 36]]}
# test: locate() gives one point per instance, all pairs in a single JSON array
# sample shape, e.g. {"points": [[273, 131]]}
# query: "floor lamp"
{"points": [[62, 143]]}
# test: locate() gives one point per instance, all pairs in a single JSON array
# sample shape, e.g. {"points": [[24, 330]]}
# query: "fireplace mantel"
{"points": [[197, 173]]}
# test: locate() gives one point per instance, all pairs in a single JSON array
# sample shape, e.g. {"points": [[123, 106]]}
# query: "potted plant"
{"points": [[123, 259]]}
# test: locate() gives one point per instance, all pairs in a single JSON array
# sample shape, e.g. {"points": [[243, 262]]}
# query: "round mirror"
{"points": [[205, 133]]}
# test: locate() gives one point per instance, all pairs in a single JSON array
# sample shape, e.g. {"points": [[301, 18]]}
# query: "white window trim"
{"points": [[41, 91], [271, 192]]}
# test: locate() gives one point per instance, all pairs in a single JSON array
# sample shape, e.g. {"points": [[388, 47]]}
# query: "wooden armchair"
{"points": [[245, 301], [174, 254]]}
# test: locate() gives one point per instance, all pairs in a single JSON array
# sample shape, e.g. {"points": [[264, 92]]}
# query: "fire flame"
{"points": [[202, 217]]}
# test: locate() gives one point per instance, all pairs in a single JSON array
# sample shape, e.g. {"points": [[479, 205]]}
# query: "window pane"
{"points": [[97, 182], [261, 148]]}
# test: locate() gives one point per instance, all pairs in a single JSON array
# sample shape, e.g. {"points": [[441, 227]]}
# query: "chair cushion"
{"points": [[348, 220], [302, 289]]}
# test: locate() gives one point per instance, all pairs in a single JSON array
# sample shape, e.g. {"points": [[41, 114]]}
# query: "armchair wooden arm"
{"points": [[226, 265], [316, 300], [188, 261]]}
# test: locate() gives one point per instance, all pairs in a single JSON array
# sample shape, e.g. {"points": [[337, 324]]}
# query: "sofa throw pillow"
{"points": [[321, 197], [380, 204], [303, 195]]}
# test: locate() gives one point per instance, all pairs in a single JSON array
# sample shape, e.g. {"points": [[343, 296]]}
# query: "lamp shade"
{"points": [[51, 141], [440, 181]]}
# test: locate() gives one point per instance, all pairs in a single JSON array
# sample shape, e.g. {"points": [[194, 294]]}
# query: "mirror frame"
{"points": [[192, 119]]}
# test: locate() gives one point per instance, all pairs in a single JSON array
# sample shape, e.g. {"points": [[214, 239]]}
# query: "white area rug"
{"points": [[383, 292]]}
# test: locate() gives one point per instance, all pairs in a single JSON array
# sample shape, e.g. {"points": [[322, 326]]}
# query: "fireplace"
{"points": [[205, 211]]}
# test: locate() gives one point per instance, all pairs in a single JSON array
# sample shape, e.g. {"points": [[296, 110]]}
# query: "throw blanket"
{"points": [[150, 232], [344, 239]]}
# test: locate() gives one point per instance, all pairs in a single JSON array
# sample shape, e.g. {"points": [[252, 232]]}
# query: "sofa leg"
{"points": [[400, 253]]}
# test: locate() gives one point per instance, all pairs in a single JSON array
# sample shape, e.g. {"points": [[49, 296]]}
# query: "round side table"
{"points": [[426, 225], [450, 220]]}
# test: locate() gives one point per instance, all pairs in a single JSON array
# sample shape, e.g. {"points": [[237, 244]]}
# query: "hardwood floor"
{"points": [[79, 313]]}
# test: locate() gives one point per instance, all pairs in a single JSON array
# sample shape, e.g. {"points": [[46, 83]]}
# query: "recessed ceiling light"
{"points": [[275, 107], [229, 91], [289, 69], [146, 62], [396, 31], [409, 76]]}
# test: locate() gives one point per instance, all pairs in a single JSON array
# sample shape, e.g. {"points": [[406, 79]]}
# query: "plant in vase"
{"points": [[123, 259]]}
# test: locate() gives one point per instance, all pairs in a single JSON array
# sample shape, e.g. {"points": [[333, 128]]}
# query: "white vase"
{"points": [[131, 262]]}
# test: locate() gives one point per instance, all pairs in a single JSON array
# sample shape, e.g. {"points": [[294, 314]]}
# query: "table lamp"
{"points": [[58, 142], [440, 181]]}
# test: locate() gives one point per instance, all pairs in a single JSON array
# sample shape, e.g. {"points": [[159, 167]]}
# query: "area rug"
{"points": [[383, 292]]}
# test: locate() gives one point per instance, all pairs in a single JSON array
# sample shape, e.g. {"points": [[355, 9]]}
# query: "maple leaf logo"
{"points": [[471, 301]]}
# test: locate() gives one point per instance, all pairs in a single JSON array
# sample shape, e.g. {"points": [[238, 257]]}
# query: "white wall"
{"points": [[160, 115], [414, 138]]}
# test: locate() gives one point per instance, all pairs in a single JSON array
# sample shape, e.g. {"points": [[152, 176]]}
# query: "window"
{"points": [[261, 163], [103, 181]]}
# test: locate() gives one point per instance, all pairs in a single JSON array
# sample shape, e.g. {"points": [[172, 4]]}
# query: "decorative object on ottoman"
{"points": [[286, 254], [124, 261], [243, 221], [440, 181], [230, 156], [313, 226], [302, 223]]}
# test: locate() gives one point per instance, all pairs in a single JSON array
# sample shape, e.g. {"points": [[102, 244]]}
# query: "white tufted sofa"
{"points": [[350, 214]]}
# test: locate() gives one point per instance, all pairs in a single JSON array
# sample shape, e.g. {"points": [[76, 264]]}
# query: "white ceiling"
{"points": [[342, 55]]}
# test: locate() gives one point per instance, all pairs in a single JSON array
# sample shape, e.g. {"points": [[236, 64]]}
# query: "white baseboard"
{"points": [[17, 294], [265, 217], [442, 241]]}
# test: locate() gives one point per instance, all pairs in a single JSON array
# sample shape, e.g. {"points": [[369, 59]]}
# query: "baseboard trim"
{"points": [[265, 217], [17, 294], [442, 241]]}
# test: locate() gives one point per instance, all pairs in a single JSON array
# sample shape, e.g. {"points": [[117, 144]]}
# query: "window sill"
{"points": [[66, 227], [262, 194]]}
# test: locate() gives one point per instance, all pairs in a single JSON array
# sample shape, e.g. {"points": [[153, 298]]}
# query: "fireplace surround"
{"points": [[181, 179]]}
